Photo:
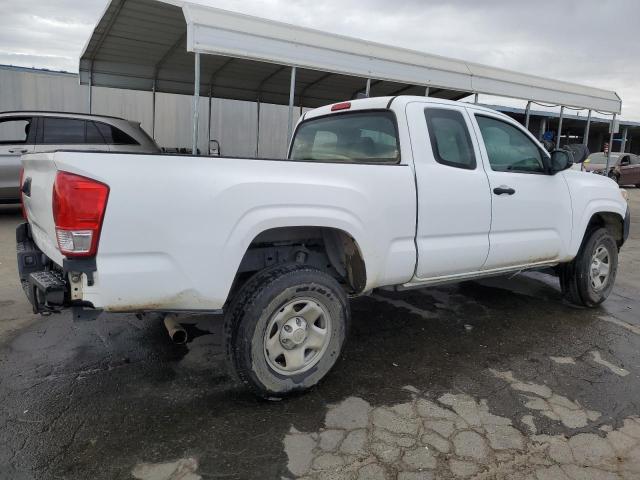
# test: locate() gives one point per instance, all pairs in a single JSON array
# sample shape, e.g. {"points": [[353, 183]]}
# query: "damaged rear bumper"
{"points": [[45, 283]]}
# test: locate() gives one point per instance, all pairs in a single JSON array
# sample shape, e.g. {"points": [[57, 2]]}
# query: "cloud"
{"points": [[581, 41]]}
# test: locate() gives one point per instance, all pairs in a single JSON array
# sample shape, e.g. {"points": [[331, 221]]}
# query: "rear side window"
{"points": [[14, 130], [115, 136], [62, 131], [358, 137], [450, 139]]}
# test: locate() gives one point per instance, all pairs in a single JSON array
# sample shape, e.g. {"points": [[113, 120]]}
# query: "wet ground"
{"points": [[492, 379]]}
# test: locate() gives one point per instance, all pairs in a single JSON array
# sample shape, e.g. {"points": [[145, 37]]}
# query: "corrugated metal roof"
{"points": [[137, 41]]}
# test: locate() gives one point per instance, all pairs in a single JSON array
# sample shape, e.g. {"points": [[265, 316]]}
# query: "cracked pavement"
{"points": [[491, 379]]}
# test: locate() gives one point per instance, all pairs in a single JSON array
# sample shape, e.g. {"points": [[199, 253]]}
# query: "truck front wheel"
{"points": [[589, 278], [285, 329]]}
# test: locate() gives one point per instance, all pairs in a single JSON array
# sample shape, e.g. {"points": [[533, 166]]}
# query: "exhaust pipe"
{"points": [[176, 332]]}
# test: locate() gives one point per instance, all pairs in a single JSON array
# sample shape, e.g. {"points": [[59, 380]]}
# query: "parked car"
{"points": [[395, 193], [624, 167], [34, 131]]}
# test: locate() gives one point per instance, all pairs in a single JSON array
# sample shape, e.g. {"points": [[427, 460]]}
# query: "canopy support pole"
{"points": [[91, 88], [560, 127], [292, 91], [153, 110], [367, 91], [543, 128], [426, 92], [527, 115], [475, 98], [613, 123], [585, 139], [258, 128], [209, 122], [623, 145], [196, 102]]}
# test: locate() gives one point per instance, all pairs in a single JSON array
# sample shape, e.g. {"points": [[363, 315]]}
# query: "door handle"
{"points": [[503, 189], [18, 150]]}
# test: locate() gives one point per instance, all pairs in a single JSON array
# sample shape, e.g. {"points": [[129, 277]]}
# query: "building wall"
{"points": [[233, 123]]}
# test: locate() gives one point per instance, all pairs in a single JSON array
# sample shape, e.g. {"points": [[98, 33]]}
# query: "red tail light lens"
{"points": [[24, 211], [341, 106], [79, 204]]}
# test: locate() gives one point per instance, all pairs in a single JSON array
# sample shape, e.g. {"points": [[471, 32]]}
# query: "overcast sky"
{"points": [[593, 42]]}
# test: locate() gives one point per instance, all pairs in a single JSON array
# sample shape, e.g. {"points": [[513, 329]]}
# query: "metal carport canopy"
{"points": [[150, 45]]}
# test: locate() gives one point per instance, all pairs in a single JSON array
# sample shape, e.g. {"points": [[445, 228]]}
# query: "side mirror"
{"points": [[561, 160]]}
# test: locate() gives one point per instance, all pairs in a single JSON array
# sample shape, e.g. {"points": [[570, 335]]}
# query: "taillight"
{"points": [[79, 204], [24, 211], [341, 106]]}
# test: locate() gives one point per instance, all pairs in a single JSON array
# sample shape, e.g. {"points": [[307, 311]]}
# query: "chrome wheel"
{"points": [[600, 268], [297, 336]]}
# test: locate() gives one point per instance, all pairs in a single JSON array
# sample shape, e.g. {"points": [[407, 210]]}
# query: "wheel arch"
{"points": [[329, 248], [612, 221]]}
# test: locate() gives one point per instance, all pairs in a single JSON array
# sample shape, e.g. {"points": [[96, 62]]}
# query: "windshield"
{"points": [[367, 137], [601, 158]]}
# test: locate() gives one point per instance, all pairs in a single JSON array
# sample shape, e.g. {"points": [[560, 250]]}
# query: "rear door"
{"points": [[531, 217], [16, 138], [454, 204], [57, 133]]}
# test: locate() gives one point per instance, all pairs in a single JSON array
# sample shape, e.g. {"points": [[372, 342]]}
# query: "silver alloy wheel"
{"points": [[600, 268], [297, 336]]}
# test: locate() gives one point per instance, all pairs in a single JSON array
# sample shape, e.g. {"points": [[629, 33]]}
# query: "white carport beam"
{"points": [[611, 128], [292, 94], [585, 139], [527, 115], [196, 104], [559, 134], [368, 89]]}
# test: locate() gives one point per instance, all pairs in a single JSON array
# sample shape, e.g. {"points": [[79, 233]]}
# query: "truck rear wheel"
{"points": [[589, 278], [285, 329]]}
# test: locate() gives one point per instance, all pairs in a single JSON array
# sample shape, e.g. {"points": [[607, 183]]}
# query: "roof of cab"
{"points": [[397, 103]]}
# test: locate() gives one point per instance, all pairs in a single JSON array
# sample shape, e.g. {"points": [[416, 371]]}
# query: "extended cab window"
{"points": [[508, 148], [450, 140], [358, 137]]}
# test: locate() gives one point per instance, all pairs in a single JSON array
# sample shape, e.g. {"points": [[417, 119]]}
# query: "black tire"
{"points": [[575, 277], [614, 176], [255, 305]]}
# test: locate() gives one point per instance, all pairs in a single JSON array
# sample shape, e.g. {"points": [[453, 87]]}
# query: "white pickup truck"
{"points": [[383, 192]]}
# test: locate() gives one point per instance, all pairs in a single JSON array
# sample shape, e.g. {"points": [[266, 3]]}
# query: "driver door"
{"points": [[531, 217]]}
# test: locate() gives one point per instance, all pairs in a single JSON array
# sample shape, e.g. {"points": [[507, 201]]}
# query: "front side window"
{"points": [[450, 139], [62, 131], [14, 131], [358, 137], [508, 148]]}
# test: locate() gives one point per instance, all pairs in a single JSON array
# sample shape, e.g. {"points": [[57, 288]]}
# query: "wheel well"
{"points": [[611, 221], [328, 249]]}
